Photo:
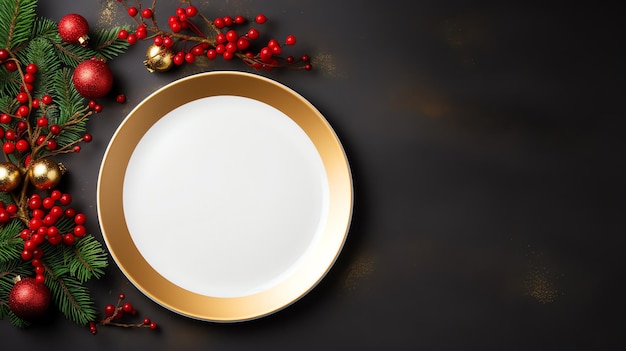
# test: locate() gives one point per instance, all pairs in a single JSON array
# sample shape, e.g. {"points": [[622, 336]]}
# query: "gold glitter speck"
{"points": [[540, 287]]}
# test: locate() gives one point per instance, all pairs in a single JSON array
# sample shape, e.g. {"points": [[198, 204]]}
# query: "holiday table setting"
{"points": [[232, 175]]}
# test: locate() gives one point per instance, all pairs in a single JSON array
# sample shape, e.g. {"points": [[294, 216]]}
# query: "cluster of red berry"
{"points": [[113, 315], [226, 40], [44, 215], [16, 138]]}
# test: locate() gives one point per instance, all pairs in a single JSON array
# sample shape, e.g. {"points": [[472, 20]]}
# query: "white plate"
{"points": [[225, 196]]}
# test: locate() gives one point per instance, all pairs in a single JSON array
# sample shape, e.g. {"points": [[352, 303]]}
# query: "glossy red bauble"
{"points": [[29, 299], [93, 78], [74, 28]]}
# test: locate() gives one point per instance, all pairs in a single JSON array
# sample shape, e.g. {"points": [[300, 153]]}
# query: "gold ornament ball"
{"points": [[10, 176], [158, 59], [45, 174]]}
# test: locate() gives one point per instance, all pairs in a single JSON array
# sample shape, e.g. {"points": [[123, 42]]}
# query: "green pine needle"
{"points": [[17, 17], [107, 45], [87, 259], [72, 298], [11, 244]]}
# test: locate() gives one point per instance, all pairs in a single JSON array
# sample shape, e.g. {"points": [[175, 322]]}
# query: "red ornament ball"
{"points": [[28, 299], [74, 29], [93, 78]]}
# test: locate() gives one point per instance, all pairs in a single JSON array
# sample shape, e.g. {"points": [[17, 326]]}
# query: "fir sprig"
{"points": [[18, 17]]}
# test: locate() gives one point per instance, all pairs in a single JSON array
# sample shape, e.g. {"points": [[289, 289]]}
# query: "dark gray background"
{"points": [[486, 144]]}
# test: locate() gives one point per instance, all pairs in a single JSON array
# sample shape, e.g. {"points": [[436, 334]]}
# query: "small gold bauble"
{"points": [[10, 176], [45, 174], [158, 59]]}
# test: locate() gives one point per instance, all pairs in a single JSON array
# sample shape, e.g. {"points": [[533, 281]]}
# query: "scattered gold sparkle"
{"points": [[359, 269], [325, 63], [108, 13], [540, 287]]}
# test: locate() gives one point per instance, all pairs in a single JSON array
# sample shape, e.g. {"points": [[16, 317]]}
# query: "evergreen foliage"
{"points": [[30, 38]]}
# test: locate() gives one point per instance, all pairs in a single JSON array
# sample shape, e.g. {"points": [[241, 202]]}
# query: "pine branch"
{"points": [[45, 28], [10, 244], [18, 17], [87, 259], [72, 112], [72, 298], [71, 55], [10, 83], [41, 52], [105, 42]]}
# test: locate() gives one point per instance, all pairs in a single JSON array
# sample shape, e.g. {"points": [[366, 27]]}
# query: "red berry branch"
{"points": [[114, 314], [184, 41]]}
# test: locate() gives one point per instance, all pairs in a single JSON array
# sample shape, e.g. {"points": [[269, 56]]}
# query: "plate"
{"points": [[225, 196]]}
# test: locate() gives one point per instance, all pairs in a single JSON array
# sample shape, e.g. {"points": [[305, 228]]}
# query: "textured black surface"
{"points": [[486, 143]]}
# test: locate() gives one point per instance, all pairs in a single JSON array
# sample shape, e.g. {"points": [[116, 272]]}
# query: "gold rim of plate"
{"points": [[218, 309]]}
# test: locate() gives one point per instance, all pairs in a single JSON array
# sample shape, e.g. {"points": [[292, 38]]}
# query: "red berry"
{"points": [[12, 208], [42, 122], [70, 213], [232, 36], [109, 310], [23, 111], [47, 203], [146, 13], [80, 231], [27, 255], [132, 39], [22, 97], [8, 147], [5, 119], [211, 54], [190, 58], [10, 134], [191, 11], [69, 239], [219, 23], [240, 20], [243, 43], [253, 33], [132, 11], [65, 199], [22, 145], [46, 99], [153, 325], [29, 78], [260, 18], [31, 68], [55, 129], [175, 27], [290, 40], [121, 98], [168, 42], [265, 54], [11, 66], [80, 218], [87, 138], [122, 34], [146, 321], [4, 54], [51, 144], [127, 307]]}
